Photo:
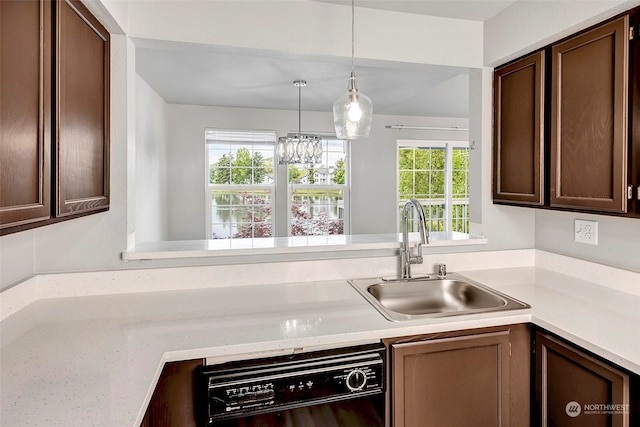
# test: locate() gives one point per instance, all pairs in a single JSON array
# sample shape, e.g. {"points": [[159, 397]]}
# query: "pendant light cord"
{"points": [[353, 37]]}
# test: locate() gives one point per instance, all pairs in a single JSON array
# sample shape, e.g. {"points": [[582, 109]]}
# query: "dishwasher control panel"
{"points": [[239, 389]]}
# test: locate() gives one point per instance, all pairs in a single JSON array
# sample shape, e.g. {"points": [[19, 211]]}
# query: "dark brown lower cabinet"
{"points": [[467, 378], [172, 402], [575, 389]]}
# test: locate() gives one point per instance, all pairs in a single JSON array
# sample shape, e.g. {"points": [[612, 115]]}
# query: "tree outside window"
{"points": [[436, 173], [242, 185], [319, 193]]}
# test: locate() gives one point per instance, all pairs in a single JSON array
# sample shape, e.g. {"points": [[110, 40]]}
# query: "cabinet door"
{"points": [[82, 138], [518, 142], [172, 402], [25, 112], [459, 381], [634, 172], [572, 388], [589, 119]]}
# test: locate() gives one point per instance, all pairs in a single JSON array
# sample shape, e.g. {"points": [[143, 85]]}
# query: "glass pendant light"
{"points": [[353, 111]]}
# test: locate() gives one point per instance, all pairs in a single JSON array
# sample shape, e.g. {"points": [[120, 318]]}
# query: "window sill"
{"points": [[299, 247]]}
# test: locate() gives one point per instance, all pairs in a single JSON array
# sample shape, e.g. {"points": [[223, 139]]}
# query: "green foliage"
{"points": [[341, 172], [295, 174], [311, 174], [243, 169], [460, 174], [422, 173], [221, 170]]}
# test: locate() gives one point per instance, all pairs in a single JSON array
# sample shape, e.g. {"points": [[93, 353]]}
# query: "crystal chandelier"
{"points": [[299, 148], [353, 111]]}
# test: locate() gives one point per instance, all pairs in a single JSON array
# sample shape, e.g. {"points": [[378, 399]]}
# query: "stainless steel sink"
{"points": [[408, 299]]}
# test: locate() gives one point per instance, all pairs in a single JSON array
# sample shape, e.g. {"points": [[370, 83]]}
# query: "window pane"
{"points": [[406, 184], [436, 184], [422, 159], [405, 157], [240, 167], [422, 174], [460, 184], [240, 214], [460, 166], [437, 159], [435, 215], [318, 192], [317, 212]]}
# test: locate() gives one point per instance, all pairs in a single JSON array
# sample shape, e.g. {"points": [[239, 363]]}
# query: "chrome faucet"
{"points": [[405, 254]]}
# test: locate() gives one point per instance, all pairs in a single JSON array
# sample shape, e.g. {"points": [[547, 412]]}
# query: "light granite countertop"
{"points": [[95, 360]]}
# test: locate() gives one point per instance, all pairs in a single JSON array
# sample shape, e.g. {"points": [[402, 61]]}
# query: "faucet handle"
{"points": [[442, 271]]}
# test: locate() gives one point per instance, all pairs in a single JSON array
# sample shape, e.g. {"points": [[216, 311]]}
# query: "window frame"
{"points": [[281, 198], [448, 146], [234, 187], [346, 187]]}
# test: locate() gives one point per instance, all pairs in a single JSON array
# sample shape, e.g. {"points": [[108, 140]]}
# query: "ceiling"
{"points": [[475, 10], [184, 73]]}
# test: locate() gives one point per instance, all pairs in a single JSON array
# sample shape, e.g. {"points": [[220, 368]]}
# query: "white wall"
{"points": [[373, 169], [504, 226], [95, 242], [152, 218], [528, 25], [618, 238], [373, 190], [89, 243], [523, 28], [311, 28]]}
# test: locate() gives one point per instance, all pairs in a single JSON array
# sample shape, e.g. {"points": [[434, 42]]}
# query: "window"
{"points": [[241, 183], [437, 174], [319, 193], [243, 197]]}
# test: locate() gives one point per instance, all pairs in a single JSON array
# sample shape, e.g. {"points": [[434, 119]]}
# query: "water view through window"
{"points": [[242, 185]]}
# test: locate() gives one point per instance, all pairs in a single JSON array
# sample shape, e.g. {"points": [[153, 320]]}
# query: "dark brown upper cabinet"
{"points": [[589, 105], [82, 133], [54, 113], [518, 144], [634, 121], [25, 112], [567, 123]]}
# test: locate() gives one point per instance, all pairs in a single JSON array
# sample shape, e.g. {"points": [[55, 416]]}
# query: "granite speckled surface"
{"points": [[94, 360]]}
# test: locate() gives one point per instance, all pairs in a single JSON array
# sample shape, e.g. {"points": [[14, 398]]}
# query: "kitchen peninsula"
{"points": [[91, 347]]}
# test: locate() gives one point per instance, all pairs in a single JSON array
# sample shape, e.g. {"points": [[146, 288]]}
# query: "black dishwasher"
{"points": [[338, 387]]}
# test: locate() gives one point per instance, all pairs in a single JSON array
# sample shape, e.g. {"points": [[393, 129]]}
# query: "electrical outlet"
{"points": [[586, 231]]}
